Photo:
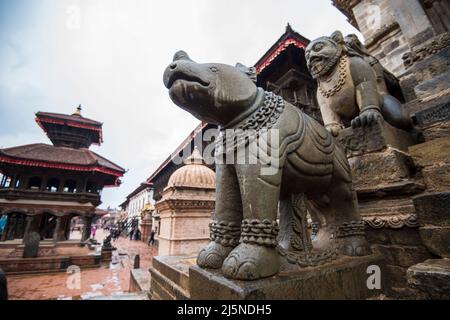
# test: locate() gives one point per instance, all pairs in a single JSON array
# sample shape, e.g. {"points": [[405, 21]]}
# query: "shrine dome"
{"points": [[194, 174]]}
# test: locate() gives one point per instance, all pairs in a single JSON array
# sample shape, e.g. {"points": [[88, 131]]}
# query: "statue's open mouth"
{"points": [[188, 78], [317, 65]]}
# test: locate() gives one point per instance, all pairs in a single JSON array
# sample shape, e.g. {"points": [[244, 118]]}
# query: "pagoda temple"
{"points": [[44, 186]]}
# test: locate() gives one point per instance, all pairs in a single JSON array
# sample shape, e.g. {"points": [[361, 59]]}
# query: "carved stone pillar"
{"points": [[57, 230], [86, 228], [11, 227]]}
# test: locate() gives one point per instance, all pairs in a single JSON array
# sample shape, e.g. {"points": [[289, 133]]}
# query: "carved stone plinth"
{"points": [[374, 137], [345, 278], [170, 277]]}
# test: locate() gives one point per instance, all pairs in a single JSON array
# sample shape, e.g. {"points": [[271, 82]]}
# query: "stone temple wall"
{"points": [[387, 42], [403, 178]]}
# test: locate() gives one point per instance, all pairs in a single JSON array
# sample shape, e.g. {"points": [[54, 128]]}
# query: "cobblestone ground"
{"points": [[108, 280]]}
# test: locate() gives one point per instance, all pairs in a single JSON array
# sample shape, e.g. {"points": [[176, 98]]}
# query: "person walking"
{"points": [[93, 231], [151, 239]]}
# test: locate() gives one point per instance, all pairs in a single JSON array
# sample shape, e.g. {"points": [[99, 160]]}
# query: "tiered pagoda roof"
{"points": [[70, 130], [71, 136]]}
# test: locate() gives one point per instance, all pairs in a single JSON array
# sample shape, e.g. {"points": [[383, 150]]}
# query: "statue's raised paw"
{"points": [[250, 262], [356, 246], [366, 118], [212, 255]]}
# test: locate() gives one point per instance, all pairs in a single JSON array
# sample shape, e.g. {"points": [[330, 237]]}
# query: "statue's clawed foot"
{"points": [[212, 255], [251, 262], [355, 246], [366, 117]]}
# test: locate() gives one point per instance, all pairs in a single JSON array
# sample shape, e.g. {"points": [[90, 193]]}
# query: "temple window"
{"points": [[52, 185], [35, 183], [17, 182], [70, 186], [91, 187], [5, 181]]}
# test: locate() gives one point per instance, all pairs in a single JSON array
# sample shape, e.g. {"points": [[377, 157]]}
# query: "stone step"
{"points": [[431, 277]]}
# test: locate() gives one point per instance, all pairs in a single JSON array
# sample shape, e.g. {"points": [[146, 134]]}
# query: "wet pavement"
{"points": [[112, 279]]}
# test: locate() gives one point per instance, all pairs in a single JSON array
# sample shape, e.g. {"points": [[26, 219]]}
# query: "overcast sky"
{"points": [[109, 56]]}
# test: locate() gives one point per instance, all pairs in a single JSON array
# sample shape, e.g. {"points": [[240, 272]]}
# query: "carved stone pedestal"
{"points": [[170, 277], [375, 137], [345, 278]]}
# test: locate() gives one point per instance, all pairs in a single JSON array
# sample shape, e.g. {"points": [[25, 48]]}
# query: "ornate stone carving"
{"points": [[432, 115], [351, 228], [352, 87], [436, 45], [225, 233], [392, 221], [260, 232], [227, 96]]}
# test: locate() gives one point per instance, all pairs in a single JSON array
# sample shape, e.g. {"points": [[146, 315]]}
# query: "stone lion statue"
{"points": [[352, 84], [310, 167]]}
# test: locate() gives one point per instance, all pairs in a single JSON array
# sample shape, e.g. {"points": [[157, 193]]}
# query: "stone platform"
{"points": [[345, 278], [48, 264], [170, 277], [139, 280], [52, 257]]}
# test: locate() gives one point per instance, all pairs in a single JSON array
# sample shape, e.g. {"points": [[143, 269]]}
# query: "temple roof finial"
{"points": [[194, 158], [288, 28], [78, 111]]}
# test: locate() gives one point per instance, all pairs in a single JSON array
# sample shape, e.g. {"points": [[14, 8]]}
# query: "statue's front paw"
{"points": [[356, 246], [212, 255], [251, 262], [366, 117]]}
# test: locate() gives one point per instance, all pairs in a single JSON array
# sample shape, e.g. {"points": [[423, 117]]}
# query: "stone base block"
{"points": [[437, 178], [431, 152], [170, 277], [375, 137], [433, 208], [403, 256], [139, 280], [345, 278], [436, 239], [403, 236], [431, 277], [436, 130], [380, 168]]}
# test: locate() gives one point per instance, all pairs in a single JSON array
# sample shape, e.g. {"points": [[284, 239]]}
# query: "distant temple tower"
{"points": [[44, 186], [186, 207]]}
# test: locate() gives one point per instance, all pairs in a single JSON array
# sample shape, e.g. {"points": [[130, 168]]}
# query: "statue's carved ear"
{"points": [[337, 37], [250, 72]]}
